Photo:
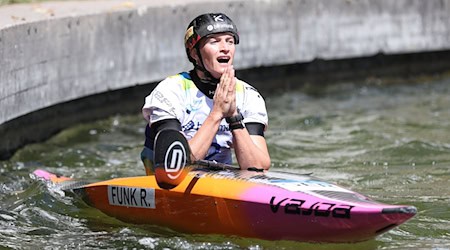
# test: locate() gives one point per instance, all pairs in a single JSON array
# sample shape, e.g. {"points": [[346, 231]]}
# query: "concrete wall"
{"points": [[57, 52]]}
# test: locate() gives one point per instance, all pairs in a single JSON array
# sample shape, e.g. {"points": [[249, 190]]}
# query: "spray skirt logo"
{"points": [[175, 160]]}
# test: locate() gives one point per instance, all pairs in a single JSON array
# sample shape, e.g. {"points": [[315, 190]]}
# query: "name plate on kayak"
{"points": [[131, 196]]}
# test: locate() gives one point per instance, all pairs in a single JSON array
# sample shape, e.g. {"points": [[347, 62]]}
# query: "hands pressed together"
{"points": [[225, 95], [251, 150]]}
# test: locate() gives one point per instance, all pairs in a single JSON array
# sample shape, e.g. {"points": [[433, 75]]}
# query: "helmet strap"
{"points": [[200, 67]]}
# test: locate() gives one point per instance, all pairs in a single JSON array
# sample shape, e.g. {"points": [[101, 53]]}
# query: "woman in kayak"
{"points": [[214, 110]]}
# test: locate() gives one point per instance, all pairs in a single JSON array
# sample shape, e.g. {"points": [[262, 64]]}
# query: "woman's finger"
{"points": [[225, 80], [232, 79]]}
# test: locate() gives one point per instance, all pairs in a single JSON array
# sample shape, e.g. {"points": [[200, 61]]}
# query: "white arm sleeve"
{"points": [[164, 102], [254, 107]]}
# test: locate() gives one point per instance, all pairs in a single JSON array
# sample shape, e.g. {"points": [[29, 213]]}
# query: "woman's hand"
{"points": [[224, 105], [225, 96]]}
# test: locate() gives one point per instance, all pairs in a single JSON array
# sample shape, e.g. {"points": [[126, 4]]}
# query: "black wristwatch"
{"points": [[236, 118], [235, 122]]}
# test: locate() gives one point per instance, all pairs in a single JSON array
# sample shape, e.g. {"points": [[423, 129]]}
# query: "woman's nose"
{"points": [[224, 46]]}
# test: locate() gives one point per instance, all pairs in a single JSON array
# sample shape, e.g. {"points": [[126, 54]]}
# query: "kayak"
{"points": [[268, 205]]}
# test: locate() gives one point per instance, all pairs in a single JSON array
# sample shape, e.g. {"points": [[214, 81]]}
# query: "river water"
{"points": [[390, 142]]}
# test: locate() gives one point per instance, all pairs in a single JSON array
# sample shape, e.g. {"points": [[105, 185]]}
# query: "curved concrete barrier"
{"points": [[53, 53]]}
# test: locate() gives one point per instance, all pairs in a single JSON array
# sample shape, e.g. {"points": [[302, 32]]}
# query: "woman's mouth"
{"points": [[223, 59]]}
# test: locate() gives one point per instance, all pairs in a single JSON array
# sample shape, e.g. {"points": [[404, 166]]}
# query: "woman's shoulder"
{"points": [[181, 80], [245, 87], [177, 78]]}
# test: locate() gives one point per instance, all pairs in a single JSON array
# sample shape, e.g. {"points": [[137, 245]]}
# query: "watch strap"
{"points": [[233, 119], [236, 125]]}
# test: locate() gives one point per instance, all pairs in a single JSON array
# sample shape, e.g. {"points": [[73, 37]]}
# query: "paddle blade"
{"points": [[171, 156]]}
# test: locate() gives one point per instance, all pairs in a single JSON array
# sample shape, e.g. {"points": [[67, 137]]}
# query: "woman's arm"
{"points": [[250, 150]]}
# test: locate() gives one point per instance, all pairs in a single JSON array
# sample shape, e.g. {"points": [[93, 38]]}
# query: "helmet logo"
{"points": [[210, 27], [189, 33], [218, 18]]}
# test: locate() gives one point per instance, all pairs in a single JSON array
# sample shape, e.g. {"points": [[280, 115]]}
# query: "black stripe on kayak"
{"points": [[191, 185]]}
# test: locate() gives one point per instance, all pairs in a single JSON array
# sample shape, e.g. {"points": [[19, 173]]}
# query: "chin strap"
{"points": [[208, 77]]}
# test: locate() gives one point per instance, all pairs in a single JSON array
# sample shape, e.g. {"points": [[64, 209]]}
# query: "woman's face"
{"points": [[217, 52]]}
